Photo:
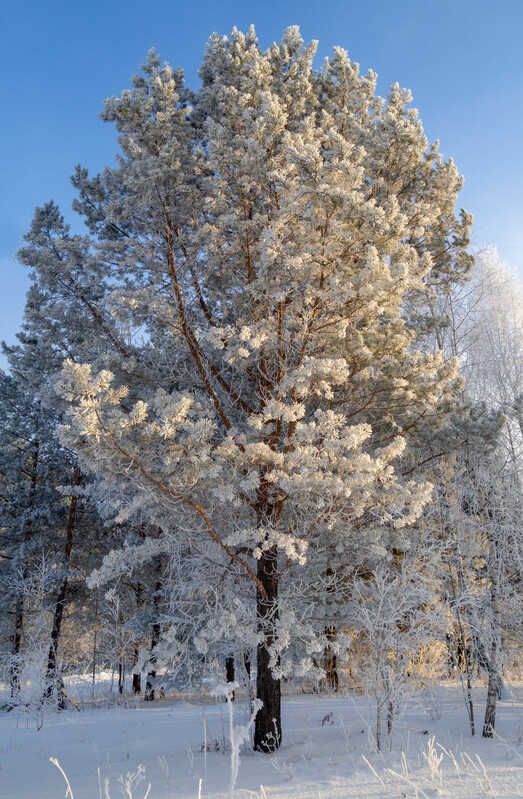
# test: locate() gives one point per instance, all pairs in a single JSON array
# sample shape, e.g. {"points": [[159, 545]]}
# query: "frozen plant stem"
{"points": [[131, 781], [69, 792], [417, 789], [237, 734]]}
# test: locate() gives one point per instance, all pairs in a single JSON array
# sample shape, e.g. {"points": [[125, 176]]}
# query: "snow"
{"points": [[327, 752]]}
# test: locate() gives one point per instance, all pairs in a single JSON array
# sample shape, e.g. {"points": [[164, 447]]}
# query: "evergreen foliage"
{"points": [[250, 360]]}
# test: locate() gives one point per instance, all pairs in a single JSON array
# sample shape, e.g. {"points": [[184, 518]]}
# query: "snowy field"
{"points": [[327, 753]]}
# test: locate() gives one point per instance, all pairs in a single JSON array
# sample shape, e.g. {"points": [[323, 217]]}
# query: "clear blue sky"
{"points": [[462, 59]]}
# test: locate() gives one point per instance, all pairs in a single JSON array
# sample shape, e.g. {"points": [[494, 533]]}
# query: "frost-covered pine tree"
{"points": [[67, 314], [272, 239], [36, 524], [63, 317], [21, 499]]}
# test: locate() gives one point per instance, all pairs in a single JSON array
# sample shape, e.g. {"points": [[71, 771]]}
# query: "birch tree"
{"points": [[480, 483]]}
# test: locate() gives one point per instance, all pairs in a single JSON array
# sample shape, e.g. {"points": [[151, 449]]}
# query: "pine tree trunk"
{"points": [[151, 674], [331, 661], [267, 728], [229, 672], [137, 677], [246, 660], [149, 694], [50, 678], [51, 673]]}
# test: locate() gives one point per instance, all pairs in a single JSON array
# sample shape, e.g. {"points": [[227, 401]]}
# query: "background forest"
{"points": [[264, 422]]}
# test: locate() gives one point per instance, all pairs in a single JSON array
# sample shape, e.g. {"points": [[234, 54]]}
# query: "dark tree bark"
{"points": [[149, 694], [390, 717], [229, 672], [331, 661], [50, 678], [247, 664], [137, 677], [267, 728], [121, 675], [246, 661], [229, 668]]}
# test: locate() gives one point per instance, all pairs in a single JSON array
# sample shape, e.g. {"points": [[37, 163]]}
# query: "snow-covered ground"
{"points": [[327, 752]]}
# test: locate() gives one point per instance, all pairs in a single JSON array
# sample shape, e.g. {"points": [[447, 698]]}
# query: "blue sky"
{"points": [[462, 59]]}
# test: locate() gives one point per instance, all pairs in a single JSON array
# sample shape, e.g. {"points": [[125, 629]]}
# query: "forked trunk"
{"points": [[267, 728]]}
